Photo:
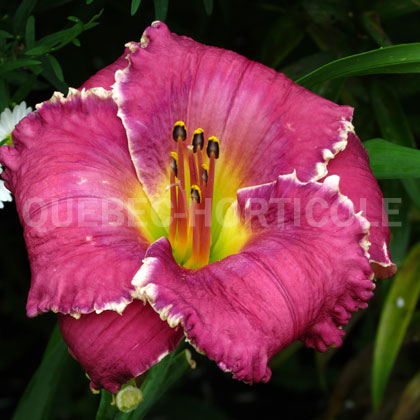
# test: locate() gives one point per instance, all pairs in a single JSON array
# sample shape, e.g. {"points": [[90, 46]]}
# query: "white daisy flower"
{"points": [[4, 192], [8, 121]]}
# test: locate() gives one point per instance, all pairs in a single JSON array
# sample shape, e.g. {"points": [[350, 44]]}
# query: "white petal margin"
{"points": [[321, 167]]}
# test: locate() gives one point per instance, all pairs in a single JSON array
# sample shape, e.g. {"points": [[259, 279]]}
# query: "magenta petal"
{"points": [[359, 184], [299, 277], [114, 348], [267, 125], [105, 77], [71, 174]]}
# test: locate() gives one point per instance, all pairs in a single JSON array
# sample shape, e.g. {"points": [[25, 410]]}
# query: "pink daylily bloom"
{"points": [[268, 231]]}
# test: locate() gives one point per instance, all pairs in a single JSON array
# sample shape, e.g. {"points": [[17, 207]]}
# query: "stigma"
{"points": [[192, 164]]}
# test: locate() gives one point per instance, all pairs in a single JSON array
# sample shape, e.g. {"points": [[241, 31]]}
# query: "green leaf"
{"points": [[409, 405], [390, 115], [17, 64], [89, 2], [308, 63], [282, 38], [208, 6], [403, 58], [391, 9], [161, 9], [49, 74], [5, 34], [39, 50], [412, 186], [40, 392], [4, 94], [30, 32], [374, 29], [57, 40], [398, 209], [159, 379], [327, 11], [395, 317], [22, 14], [394, 126], [330, 89], [56, 67], [135, 4], [391, 161], [106, 411]]}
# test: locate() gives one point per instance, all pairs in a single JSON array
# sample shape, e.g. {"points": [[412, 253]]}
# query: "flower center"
{"points": [[191, 211]]}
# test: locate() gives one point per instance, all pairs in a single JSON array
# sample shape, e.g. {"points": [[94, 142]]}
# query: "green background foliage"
{"points": [[363, 53]]}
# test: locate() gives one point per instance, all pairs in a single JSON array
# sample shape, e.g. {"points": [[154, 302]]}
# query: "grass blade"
{"points": [[135, 4], [161, 9], [39, 394], [395, 317], [404, 58]]}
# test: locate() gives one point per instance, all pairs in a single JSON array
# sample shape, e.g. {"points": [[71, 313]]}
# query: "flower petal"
{"points": [[105, 77], [114, 348], [359, 184], [300, 277], [71, 174], [267, 125]]}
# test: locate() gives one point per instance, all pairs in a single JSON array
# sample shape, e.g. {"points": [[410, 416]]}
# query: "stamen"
{"points": [[196, 199], [205, 173], [190, 230], [193, 166], [213, 150], [179, 134], [198, 144], [174, 207]]}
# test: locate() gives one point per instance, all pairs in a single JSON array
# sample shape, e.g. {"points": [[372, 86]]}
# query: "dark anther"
{"points": [[174, 166], [213, 147], [196, 194], [179, 132], [205, 174], [198, 140]]}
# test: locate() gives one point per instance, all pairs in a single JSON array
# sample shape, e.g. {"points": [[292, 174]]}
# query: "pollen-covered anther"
{"points": [[198, 140], [179, 132], [213, 147]]}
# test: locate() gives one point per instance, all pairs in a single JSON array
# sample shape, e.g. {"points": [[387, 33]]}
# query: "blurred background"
{"points": [[48, 45]]}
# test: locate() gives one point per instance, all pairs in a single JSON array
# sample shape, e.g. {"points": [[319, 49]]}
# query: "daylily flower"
{"points": [[269, 189]]}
